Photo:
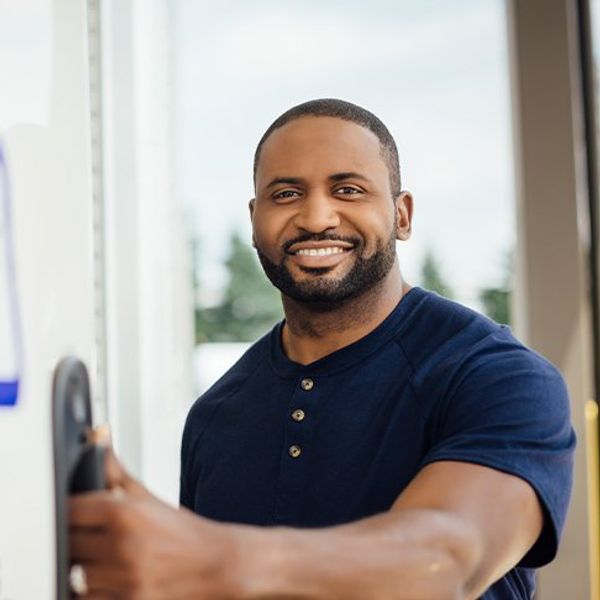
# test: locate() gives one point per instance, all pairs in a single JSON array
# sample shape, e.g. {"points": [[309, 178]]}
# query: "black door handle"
{"points": [[78, 464]]}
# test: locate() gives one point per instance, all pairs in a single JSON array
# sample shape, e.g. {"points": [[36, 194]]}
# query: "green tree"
{"points": [[250, 304], [496, 304], [431, 276], [496, 300]]}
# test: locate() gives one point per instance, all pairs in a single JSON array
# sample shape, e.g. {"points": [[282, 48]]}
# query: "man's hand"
{"points": [[131, 545]]}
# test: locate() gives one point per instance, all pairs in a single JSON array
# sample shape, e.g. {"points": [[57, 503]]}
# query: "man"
{"points": [[381, 442]]}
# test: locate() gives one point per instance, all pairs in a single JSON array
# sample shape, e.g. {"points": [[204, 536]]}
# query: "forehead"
{"points": [[313, 145]]}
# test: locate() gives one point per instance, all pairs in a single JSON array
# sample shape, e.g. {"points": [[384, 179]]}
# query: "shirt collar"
{"points": [[348, 355]]}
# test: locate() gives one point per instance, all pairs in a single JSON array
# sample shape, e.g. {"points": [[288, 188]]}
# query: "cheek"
{"points": [[268, 228], [375, 227]]}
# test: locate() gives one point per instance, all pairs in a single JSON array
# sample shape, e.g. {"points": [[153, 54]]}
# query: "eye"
{"points": [[285, 195], [347, 190]]}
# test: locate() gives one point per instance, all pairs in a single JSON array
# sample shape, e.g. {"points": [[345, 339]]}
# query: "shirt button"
{"points": [[298, 415], [295, 451], [307, 384]]}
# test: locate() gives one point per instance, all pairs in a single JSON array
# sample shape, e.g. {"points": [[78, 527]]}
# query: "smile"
{"points": [[320, 251], [319, 255]]}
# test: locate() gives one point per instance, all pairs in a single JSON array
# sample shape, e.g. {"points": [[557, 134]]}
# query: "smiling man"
{"points": [[381, 442]]}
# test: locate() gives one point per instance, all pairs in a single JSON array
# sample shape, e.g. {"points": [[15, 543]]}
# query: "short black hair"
{"points": [[340, 109]]}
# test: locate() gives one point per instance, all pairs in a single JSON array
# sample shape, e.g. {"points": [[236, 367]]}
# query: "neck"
{"points": [[310, 334]]}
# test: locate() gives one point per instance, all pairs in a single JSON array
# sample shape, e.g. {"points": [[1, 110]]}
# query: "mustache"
{"points": [[319, 237]]}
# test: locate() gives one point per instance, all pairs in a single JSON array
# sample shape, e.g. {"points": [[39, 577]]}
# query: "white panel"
{"points": [[52, 231], [165, 280], [149, 298]]}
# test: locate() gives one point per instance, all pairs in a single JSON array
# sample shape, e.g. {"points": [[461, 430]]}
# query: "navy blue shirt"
{"points": [[274, 442]]}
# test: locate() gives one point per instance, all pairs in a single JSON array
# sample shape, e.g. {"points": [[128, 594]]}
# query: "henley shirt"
{"points": [[275, 442]]}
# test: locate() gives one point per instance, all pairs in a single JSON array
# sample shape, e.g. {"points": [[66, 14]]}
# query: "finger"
{"points": [[92, 509], [106, 581], [119, 480], [89, 545], [100, 436], [116, 475]]}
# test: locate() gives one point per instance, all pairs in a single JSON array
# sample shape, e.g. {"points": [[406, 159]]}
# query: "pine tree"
{"points": [[496, 301], [250, 304], [496, 304], [431, 277]]}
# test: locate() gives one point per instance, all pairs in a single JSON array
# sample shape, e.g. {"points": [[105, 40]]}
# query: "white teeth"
{"points": [[320, 251]]}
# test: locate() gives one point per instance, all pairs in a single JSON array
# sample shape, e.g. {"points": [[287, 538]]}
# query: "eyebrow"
{"points": [[335, 178], [348, 175], [284, 180]]}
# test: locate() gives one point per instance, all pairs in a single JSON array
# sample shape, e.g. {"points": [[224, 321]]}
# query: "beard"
{"points": [[325, 294]]}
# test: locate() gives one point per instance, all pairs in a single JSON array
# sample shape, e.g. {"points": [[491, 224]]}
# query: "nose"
{"points": [[317, 213]]}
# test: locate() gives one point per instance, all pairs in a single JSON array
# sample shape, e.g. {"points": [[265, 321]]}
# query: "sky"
{"points": [[434, 71]]}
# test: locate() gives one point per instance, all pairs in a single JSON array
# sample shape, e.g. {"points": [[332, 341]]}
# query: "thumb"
{"points": [[117, 477]]}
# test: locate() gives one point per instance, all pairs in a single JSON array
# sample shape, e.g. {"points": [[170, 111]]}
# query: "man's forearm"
{"points": [[405, 554]]}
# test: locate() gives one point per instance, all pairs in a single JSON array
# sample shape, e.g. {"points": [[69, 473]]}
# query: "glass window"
{"points": [[190, 87], [434, 72]]}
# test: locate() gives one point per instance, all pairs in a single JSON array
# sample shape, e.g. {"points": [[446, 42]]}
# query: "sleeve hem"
{"points": [[545, 547]]}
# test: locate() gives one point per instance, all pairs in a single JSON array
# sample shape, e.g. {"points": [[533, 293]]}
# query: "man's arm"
{"points": [[502, 510], [456, 529]]}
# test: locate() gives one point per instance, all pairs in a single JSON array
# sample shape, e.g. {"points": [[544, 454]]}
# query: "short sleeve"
{"points": [[508, 409]]}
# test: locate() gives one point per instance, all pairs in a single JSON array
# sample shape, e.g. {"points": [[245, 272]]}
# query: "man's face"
{"points": [[324, 218]]}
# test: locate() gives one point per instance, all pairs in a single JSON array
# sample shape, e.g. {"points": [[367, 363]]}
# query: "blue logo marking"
{"points": [[9, 392], [10, 342]]}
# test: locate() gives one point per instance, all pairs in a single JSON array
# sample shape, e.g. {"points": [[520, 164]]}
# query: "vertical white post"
{"points": [[149, 279]]}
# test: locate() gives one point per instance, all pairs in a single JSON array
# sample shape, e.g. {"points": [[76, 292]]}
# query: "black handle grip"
{"points": [[89, 472], [78, 465]]}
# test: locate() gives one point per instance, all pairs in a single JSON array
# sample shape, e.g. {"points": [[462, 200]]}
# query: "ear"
{"points": [[251, 209], [404, 213]]}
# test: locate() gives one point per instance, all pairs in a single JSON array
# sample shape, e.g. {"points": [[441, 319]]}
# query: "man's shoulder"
{"points": [[438, 323], [231, 381], [442, 335], [449, 345]]}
